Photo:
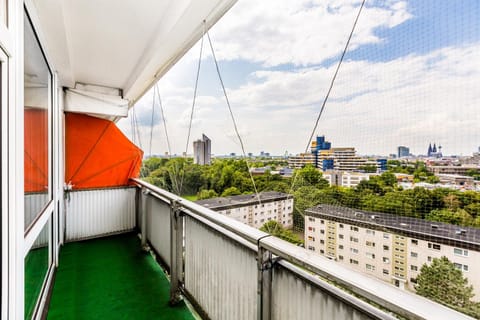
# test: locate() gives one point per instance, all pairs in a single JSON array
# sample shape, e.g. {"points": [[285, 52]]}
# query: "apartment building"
{"points": [[248, 209], [347, 179], [301, 160], [346, 159], [460, 170], [390, 247]]}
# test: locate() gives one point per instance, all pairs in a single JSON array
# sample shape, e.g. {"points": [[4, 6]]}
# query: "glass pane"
{"points": [[36, 267], [36, 101]]}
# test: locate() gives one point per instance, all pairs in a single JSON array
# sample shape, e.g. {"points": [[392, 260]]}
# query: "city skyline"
{"points": [[406, 80]]}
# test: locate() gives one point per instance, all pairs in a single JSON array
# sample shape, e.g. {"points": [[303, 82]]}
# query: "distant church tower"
{"points": [[433, 152]]}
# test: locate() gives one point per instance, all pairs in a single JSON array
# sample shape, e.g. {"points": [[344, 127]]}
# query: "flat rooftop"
{"points": [[466, 237], [242, 200]]}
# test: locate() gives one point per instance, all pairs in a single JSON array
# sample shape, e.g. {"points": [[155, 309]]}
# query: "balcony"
{"points": [[225, 269], [109, 276]]}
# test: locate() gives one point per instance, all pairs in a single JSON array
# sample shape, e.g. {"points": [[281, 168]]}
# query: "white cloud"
{"points": [[374, 106], [275, 32]]}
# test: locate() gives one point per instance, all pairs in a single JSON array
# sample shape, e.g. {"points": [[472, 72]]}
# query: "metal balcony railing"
{"points": [[229, 270]]}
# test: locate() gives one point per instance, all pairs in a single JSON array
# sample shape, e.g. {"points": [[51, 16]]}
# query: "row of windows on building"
{"points": [[256, 213], [386, 260], [270, 218], [270, 204], [261, 213], [433, 246]]}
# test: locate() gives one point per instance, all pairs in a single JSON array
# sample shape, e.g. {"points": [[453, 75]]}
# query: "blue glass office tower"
{"points": [[320, 144]]}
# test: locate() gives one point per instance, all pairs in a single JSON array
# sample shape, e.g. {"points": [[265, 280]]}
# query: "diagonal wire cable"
{"points": [[132, 127], [233, 118], [151, 122], [195, 91], [193, 106], [164, 121], [332, 82], [137, 130]]}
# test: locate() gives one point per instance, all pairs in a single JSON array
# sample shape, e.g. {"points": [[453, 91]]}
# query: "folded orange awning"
{"points": [[98, 154], [36, 150]]}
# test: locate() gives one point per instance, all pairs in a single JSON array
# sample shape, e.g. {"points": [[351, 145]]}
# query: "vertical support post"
{"points": [[264, 286], [143, 214], [176, 252]]}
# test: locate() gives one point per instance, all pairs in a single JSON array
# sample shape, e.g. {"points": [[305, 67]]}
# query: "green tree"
{"points": [[232, 191], [421, 173], [424, 201], [443, 282], [380, 193], [432, 179], [151, 164], [310, 176], [451, 202], [388, 179], [276, 229], [458, 217], [206, 194], [272, 227], [372, 185], [304, 198], [473, 173], [473, 209]]}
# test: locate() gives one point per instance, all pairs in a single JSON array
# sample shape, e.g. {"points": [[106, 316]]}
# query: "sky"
{"points": [[410, 77]]}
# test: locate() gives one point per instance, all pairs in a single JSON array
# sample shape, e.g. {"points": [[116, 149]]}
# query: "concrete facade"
{"points": [[345, 178], [389, 247], [247, 209], [301, 160]]}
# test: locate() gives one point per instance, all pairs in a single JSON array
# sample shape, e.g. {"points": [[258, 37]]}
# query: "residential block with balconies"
{"points": [[390, 247], [254, 210]]}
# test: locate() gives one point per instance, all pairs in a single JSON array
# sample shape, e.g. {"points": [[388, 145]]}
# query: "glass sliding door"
{"points": [[37, 107], [37, 263], [38, 204]]}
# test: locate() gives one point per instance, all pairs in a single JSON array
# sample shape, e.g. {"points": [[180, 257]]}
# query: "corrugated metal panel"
{"points": [[43, 237], [219, 273], [98, 212], [34, 204], [295, 298], [158, 226]]}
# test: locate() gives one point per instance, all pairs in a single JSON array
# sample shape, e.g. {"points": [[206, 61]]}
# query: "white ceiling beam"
{"points": [[94, 103]]}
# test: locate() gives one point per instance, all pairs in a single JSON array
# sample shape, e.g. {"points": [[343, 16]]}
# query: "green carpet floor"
{"points": [[36, 266], [111, 278]]}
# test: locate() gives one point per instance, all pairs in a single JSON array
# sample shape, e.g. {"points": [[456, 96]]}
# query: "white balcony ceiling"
{"points": [[126, 44]]}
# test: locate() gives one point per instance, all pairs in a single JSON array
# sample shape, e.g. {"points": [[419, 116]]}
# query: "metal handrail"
{"points": [[248, 233], [400, 302]]}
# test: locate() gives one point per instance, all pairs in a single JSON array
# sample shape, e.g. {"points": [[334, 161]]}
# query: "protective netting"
{"points": [[403, 167], [395, 163]]}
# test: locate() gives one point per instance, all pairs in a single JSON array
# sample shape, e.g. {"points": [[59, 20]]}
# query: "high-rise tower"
{"points": [[202, 150]]}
